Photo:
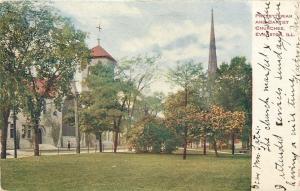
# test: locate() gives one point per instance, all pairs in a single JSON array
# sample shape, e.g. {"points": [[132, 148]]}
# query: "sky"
{"points": [[176, 30]]}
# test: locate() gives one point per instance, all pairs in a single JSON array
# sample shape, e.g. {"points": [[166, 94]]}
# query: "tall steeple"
{"points": [[212, 61]]}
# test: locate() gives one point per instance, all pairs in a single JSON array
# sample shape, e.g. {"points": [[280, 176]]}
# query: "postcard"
{"points": [[149, 95]]}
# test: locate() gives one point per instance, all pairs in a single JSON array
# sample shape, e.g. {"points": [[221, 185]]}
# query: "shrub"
{"points": [[151, 135]]}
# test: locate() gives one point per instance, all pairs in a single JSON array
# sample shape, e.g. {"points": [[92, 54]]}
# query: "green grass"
{"points": [[127, 172]]}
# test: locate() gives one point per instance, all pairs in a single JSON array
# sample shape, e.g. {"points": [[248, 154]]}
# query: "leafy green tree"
{"points": [[115, 92], [131, 77], [233, 90], [104, 103], [11, 68], [44, 50], [92, 122], [149, 105], [186, 76], [94, 115], [151, 135], [7, 100]]}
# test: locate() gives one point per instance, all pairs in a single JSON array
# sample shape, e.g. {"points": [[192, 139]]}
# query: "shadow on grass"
{"points": [[192, 154]]}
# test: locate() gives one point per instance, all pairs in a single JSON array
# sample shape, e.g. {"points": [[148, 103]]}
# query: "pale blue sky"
{"points": [[175, 29]]}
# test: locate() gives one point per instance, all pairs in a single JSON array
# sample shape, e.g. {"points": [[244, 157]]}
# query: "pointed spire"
{"points": [[212, 61]]}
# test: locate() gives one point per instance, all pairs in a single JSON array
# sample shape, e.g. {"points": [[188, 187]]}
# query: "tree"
{"points": [[201, 99], [44, 50], [221, 123], [105, 101], [216, 119], [186, 75], [7, 100], [233, 90], [90, 123], [235, 125], [138, 72], [182, 119], [150, 105], [151, 135], [132, 76], [13, 41], [93, 117]]}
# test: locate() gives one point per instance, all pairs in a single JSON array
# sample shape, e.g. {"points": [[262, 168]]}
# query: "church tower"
{"points": [[212, 60]]}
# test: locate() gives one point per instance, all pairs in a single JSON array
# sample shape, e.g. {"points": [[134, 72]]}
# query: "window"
{"points": [[11, 132], [29, 133]]}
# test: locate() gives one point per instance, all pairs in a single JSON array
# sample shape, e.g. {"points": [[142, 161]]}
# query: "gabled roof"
{"points": [[99, 52]]}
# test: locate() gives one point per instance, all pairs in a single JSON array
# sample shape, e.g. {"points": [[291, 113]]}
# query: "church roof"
{"points": [[99, 52]]}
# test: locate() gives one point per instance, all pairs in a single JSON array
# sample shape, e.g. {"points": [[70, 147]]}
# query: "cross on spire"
{"points": [[99, 28]]}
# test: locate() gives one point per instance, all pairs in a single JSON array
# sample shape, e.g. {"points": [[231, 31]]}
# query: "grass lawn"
{"points": [[127, 172]]}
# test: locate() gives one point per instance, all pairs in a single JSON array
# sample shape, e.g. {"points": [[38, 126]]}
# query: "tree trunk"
{"points": [[215, 147], [184, 150], [117, 125], [5, 116], [185, 144], [15, 132], [116, 141], [204, 141], [77, 132], [100, 142], [88, 145], [36, 138], [232, 143], [185, 128], [135, 97]]}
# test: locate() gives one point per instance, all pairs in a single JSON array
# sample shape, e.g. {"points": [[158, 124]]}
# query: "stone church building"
{"points": [[54, 131]]}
